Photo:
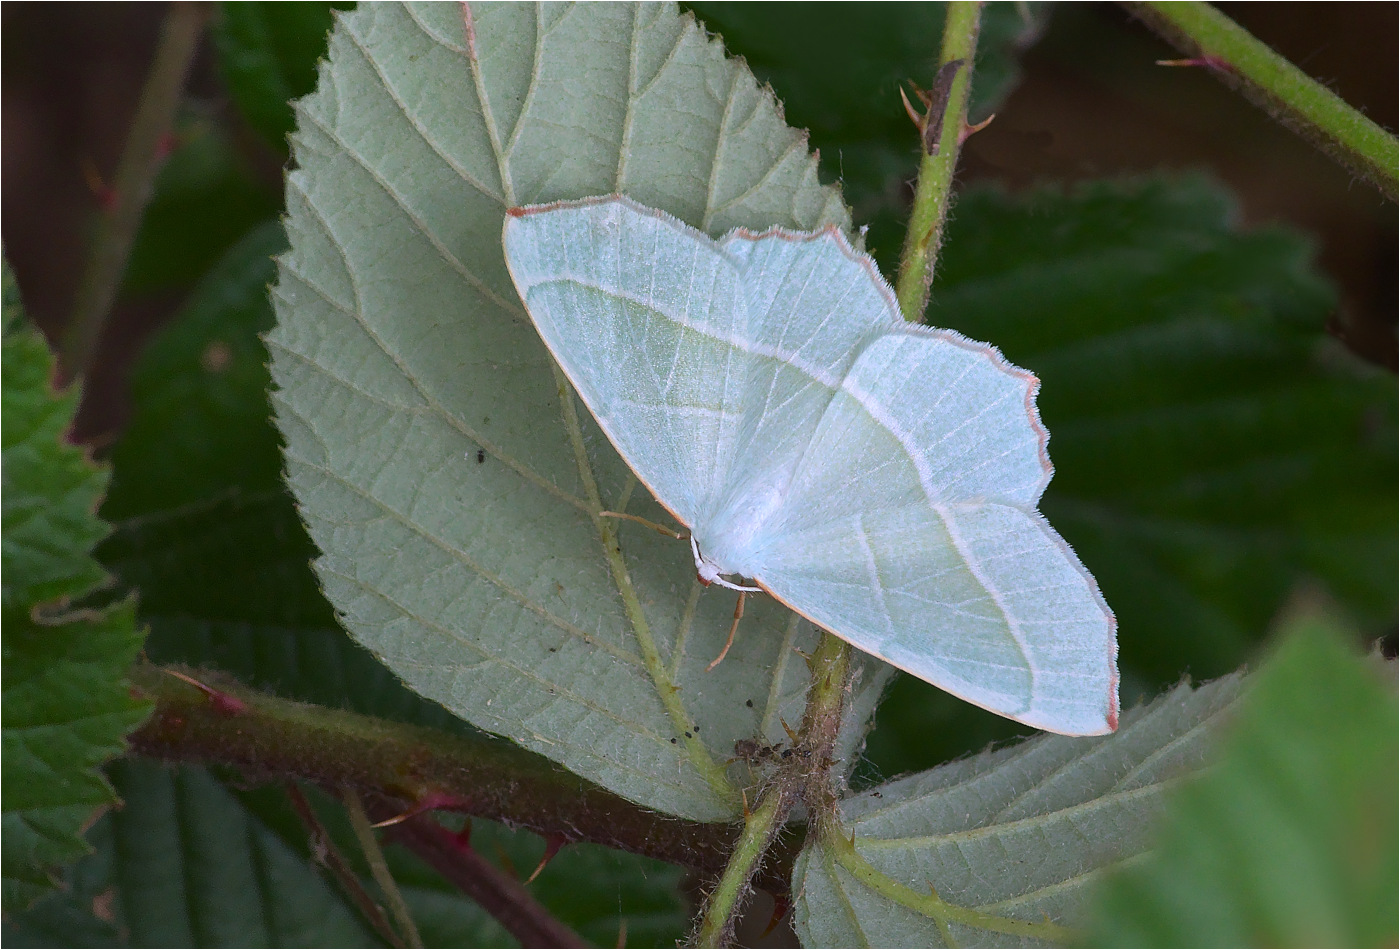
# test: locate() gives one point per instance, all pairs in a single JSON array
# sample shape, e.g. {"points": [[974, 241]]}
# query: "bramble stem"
{"points": [[726, 900], [496, 892], [1274, 84], [830, 663], [277, 739], [141, 159], [935, 185]]}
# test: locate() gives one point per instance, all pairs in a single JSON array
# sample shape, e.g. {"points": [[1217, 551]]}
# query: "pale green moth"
{"points": [[877, 477]]}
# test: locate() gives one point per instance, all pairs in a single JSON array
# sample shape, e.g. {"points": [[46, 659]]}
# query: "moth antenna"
{"points": [[659, 528]]}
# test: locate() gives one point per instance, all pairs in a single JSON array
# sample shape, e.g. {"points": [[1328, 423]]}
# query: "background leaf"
{"points": [[184, 864], [590, 888], [51, 487], [202, 518], [267, 55], [402, 357], [1212, 449], [190, 861], [66, 704], [853, 112], [201, 515], [1018, 832], [1291, 838], [208, 194]]}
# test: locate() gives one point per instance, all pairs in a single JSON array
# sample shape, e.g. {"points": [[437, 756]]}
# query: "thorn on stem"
{"points": [[781, 905], [970, 130], [433, 801], [1216, 63], [401, 817], [909, 109], [222, 703], [552, 844]]}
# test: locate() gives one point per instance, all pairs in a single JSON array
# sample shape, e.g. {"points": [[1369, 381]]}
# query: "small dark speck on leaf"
{"points": [[748, 703], [480, 456], [673, 740], [689, 736]]}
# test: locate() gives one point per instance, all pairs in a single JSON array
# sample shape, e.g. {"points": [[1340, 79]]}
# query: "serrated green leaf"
{"points": [[66, 710], [51, 489], [203, 520], [1016, 834], [402, 357], [201, 516], [267, 54], [188, 866], [1291, 839], [66, 705], [200, 429], [1212, 448]]}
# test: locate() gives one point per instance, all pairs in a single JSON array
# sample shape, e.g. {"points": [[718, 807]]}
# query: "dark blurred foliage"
{"points": [[1091, 104]]}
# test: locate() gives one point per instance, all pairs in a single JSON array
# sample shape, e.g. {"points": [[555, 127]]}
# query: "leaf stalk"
{"points": [[379, 867], [324, 850], [726, 900], [499, 894]]}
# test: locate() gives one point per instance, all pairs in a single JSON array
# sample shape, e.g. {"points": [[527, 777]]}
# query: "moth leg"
{"points": [[733, 628]]}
